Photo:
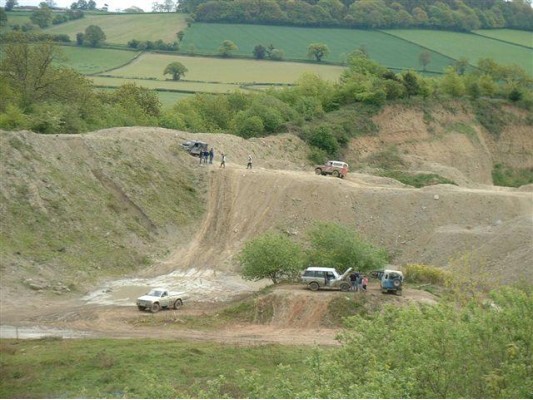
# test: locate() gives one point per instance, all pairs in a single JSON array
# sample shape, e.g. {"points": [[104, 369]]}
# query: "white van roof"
{"points": [[321, 269]]}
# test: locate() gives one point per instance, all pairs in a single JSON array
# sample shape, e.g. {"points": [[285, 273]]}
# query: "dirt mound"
{"points": [[124, 195]]}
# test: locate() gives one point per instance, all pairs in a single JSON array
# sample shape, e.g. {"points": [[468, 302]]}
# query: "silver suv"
{"points": [[320, 277]]}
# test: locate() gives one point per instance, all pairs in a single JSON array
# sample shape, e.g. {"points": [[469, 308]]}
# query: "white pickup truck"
{"points": [[159, 298]]}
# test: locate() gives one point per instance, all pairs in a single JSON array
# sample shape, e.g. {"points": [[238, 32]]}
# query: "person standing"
{"points": [[365, 282], [249, 165], [353, 281], [211, 155], [223, 161]]}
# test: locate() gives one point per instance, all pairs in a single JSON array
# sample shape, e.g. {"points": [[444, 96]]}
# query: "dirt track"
{"points": [[434, 225], [296, 319]]}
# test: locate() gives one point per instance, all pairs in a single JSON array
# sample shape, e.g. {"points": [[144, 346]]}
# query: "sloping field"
{"points": [[121, 28], [522, 38], [224, 70], [473, 47], [90, 61], [390, 51]]}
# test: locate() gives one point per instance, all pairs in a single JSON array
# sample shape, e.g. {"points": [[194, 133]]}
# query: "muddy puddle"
{"points": [[38, 332], [193, 285]]}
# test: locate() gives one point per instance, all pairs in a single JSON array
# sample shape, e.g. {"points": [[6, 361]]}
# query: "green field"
{"points": [[235, 71], [183, 86], [90, 61], [121, 28], [473, 47], [522, 38], [387, 50], [100, 368]]}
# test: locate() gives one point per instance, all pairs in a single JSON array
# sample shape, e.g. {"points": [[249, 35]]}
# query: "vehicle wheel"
{"points": [[155, 308], [345, 287], [314, 286], [318, 171], [177, 304], [335, 173], [396, 283]]}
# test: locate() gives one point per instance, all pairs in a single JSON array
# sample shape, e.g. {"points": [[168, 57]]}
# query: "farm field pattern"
{"points": [[521, 38], [389, 51], [473, 47]]}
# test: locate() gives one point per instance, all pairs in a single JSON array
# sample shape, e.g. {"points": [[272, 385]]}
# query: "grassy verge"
{"points": [[55, 368], [512, 177]]}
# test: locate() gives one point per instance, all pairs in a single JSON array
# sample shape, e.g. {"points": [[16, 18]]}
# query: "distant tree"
{"points": [[91, 5], [452, 84], [270, 256], [30, 70], [340, 247], [3, 17], [259, 52], [226, 48], [460, 65], [51, 3], [176, 69], [276, 54], [411, 83], [318, 51], [42, 17], [424, 58], [80, 38], [180, 35], [94, 35], [133, 10], [10, 4]]}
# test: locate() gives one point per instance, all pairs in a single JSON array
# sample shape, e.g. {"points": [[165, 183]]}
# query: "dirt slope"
{"points": [[492, 226]]}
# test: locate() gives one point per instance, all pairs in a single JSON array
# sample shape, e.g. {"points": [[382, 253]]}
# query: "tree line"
{"points": [[458, 15], [38, 93]]}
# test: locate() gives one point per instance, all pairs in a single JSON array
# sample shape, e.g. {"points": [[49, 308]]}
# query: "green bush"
{"points": [[416, 180], [419, 273], [512, 177]]}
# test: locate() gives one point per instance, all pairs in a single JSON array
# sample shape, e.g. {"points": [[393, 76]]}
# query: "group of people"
{"points": [[359, 282], [205, 155]]}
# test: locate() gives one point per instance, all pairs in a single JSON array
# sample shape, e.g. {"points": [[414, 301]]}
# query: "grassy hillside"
{"points": [[522, 38], [121, 28], [151, 66], [90, 61], [102, 204], [389, 51], [456, 45]]}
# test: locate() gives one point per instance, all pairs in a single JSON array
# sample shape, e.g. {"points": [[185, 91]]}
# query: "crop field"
{"points": [[522, 38], [183, 86], [121, 28], [235, 71], [90, 61], [473, 47], [389, 51], [16, 18]]}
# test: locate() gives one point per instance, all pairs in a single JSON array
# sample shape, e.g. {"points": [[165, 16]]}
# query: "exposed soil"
{"points": [[435, 225]]}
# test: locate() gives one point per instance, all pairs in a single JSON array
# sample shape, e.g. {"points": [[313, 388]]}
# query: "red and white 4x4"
{"points": [[335, 168]]}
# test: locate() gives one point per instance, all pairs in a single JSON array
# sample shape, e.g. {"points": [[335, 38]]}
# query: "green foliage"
{"points": [[322, 138], [317, 51], [94, 36], [416, 180], [506, 176], [42, 17], [420, 273], [270, 256], [226, 48], [176, 69], [340, 247]]}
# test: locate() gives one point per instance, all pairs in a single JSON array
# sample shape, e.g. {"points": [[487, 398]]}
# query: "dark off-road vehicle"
{"points": [[338, 169]]}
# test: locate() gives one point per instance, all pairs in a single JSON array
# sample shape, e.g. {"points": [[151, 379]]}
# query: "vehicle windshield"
{"points": [[155, 293]]}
